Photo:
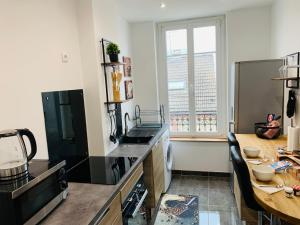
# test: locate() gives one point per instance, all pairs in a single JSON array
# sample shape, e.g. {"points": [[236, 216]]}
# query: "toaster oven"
{"points": [[29, 199]]}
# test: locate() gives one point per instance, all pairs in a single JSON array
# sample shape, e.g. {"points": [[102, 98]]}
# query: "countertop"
{"points": [[277, 203], [86, 203]]}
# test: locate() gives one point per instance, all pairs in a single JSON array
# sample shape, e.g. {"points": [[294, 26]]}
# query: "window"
{"points": [[192, 60], [176, 85]]}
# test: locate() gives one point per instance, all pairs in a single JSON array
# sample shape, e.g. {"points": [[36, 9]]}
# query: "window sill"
{"points": [[198, 139]]}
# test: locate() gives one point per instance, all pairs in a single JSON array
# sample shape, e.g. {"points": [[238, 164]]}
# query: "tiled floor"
{"points": [[216, 202]]}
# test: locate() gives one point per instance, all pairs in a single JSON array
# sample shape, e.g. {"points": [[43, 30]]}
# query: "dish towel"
{"points": [[270, 190]]}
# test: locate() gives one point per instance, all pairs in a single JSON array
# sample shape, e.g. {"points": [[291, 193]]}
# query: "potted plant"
{"points": [[113, 51]]}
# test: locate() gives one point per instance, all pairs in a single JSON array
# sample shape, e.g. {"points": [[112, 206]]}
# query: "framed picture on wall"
{"points": [[127, 66], [128, 89]]}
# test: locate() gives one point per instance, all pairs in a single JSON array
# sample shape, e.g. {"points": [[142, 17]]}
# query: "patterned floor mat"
{"points": [[178, 209]]}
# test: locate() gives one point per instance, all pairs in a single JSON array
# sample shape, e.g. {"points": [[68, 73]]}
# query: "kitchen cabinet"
{"points": [[113, 214], [119, 220], [154, 174]]}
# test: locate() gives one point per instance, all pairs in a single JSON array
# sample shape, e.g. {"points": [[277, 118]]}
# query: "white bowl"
{"points": [[251, 152], [263, 173]]}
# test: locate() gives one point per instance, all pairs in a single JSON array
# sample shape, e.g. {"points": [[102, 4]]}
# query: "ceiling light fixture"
{"points": [[162, 5]]}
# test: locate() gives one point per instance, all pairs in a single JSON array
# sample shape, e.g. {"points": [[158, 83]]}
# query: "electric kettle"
{"points": [[13, 153]]}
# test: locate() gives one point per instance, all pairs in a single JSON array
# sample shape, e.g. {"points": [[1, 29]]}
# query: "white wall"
{"points": [[285, 36], [204, 156], [111, 26], [248, 34], [33, 35], [145, 64], [91, 79], [285, 31]]}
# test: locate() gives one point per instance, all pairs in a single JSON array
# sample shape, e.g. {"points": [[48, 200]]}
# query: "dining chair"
{"points": [[244, 181], [232, 140]]}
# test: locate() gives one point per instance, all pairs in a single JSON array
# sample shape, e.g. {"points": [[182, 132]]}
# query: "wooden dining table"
{"points": [[278, 204]]}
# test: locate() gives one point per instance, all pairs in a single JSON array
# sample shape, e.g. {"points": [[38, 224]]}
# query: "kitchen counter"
{"points": [[138, 150], [86, 203]]}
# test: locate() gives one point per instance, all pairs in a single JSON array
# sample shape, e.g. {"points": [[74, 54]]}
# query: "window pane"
{"points": [[205, 79], [177, 69]]}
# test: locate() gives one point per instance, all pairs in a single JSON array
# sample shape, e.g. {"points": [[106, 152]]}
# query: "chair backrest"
{"points": [[243, 176], [232, 140]]}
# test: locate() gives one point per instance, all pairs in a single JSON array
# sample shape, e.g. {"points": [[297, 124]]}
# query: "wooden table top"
{"points": [[286, 208]]}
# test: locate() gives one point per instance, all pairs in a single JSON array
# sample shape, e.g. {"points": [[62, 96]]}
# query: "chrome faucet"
{"points": [[126, 125]]}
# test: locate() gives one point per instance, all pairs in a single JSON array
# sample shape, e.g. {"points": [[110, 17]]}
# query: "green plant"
{"points": [[112, 49]]}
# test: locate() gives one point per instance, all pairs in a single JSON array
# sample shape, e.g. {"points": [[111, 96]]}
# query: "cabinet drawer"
{"points": [[131, 182], [113, 211]]}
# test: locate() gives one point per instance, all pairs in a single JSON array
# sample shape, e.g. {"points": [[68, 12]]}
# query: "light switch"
{"points": [[65, 57]]}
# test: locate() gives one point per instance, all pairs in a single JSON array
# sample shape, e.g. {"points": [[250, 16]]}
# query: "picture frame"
{"points": [[128, 89], [127, 66]]}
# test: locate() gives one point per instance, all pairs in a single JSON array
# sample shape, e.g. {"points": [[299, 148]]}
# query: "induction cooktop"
{"points": [[101, 170]]}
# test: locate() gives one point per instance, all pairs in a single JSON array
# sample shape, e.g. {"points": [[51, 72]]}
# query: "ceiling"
{"points": [[147, 10]]}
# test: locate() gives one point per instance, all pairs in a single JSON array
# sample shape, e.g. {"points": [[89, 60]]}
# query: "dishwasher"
{"points": [[133, 209]]}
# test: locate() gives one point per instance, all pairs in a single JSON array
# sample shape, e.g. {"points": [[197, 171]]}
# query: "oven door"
{"points": [[134, 211]]}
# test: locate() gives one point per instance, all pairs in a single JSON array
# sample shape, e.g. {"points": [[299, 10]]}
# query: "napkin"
{"points": [[255, 162], [270, 190]]}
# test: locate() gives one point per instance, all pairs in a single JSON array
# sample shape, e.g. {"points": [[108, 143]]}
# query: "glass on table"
{"points": [[268, 158], [286, 177]]}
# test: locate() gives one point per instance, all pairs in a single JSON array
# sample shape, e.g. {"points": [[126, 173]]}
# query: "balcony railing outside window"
{"points": [[180, 122], [206, 122]]}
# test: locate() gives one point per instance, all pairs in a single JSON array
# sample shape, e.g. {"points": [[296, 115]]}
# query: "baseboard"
{"points": [[200, 173]]}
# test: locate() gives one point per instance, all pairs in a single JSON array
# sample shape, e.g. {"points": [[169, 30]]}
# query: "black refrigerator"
{"points": [[65, 125]]}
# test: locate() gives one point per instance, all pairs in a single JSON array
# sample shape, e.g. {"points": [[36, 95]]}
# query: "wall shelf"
{"points": [[289, 72], [113, 64], [287, 83], [114, 109], [106, 64], [119, 102]]}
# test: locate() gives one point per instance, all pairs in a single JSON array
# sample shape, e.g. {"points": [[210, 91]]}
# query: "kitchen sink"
{"points": [[135, 140], [142, 132]]}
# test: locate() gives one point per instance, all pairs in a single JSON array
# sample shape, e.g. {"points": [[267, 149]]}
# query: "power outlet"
{"points": [[65, 57]]}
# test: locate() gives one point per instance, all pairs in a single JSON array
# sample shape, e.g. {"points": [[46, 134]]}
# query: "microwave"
{"points": [[30, 199]]}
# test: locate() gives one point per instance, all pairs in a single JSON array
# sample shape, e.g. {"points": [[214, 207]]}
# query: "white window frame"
{"points": [[189, 25]]}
